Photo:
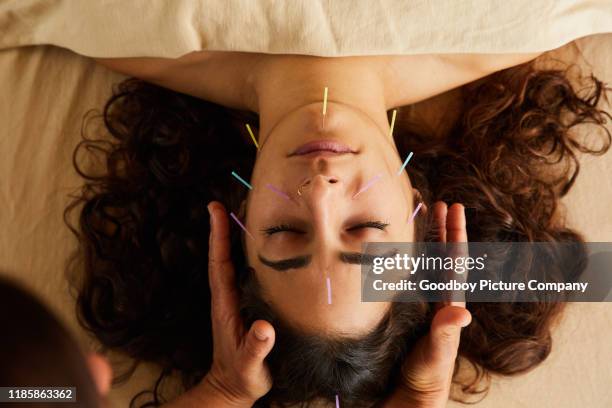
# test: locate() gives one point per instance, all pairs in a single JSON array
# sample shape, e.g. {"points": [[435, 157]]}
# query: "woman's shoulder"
{"points": [[413, 78], [486, 63], [216, 76]]}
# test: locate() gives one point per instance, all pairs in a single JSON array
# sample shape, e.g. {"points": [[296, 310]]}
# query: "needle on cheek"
{"points": [[329, 295], [279, 192], [243, 181], [405, 163], [368, 184]]}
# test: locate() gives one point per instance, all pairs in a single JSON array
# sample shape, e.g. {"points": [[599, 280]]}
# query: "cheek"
{"points": [[404, 196], [272, 167], [251, 253], [259, 203], [399, 204], [406, 233], [402, 211]]}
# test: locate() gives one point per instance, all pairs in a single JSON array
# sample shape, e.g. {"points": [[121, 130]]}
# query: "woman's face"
{"points": [[308, 218]]}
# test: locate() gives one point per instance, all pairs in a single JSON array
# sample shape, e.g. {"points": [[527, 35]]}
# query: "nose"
{"points": [[318, 193], [315, 184], [322, 197]]}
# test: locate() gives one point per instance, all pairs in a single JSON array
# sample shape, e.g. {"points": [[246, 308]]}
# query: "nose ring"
{"points": [[331, 180], [299, 190]]}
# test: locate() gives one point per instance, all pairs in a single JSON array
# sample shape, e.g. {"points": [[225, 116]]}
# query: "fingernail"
{"points": [[260, 336], [210, 215]]}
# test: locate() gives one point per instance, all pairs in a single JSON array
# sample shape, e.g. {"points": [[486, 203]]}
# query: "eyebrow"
{"points": [[360, 258], [355, 258]]}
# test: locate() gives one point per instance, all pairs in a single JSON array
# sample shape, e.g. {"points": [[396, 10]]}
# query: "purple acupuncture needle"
{"points": [[277, 191], [414, 213], [337, 401], [240, 224], [368, 184], [329, 299]]}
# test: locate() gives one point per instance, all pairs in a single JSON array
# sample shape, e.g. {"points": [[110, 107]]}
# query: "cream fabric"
{"points": [[49, 90], [171, 28]]}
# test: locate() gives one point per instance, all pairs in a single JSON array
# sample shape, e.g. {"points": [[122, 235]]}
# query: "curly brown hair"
{"points": [[141, 267]]}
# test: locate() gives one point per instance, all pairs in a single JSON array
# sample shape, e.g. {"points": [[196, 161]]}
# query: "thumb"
{"points": [[445, 333], [259, 341]]}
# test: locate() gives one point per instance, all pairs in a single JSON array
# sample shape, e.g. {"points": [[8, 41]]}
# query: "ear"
{"points": [[101, 372], [418, 198], [242, 210]]}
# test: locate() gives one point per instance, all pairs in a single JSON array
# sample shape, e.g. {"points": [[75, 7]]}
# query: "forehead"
{"points": [[317, 302]]}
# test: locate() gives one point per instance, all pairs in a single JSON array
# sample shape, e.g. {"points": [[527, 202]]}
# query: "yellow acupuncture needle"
{"points": [[252, 136], [392, 121], [324, 105], [325, 101]]}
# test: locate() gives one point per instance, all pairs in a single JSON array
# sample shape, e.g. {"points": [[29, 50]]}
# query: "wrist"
{"points": [[209, 393], [224, 395], [404, 398]]}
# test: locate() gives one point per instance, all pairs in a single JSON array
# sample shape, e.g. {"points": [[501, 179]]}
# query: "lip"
{"points": [[326, 147]]}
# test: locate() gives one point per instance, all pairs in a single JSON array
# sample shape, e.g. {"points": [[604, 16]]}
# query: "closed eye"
{"points": [[281, 228], [289, 228], [369, 224]]}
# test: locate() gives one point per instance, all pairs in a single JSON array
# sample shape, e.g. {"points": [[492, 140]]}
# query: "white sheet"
{"points": [[119, 28]]}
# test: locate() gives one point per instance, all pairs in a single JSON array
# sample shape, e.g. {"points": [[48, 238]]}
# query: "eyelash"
{"points": [[288, 228], [370, 224], [281, 228]]}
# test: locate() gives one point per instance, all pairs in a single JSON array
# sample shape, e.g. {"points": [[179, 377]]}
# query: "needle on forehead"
{"points": [[241, 225]]}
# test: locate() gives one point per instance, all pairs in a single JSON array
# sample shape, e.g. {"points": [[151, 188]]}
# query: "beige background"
{"points": [[47, 90], [162, 28]]}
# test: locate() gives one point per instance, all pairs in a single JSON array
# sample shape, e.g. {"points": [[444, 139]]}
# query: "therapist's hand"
{"points": [[427, 373], [239, 375]]}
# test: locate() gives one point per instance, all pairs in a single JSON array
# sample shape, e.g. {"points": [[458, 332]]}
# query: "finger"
{"points": [[440, 211], [439, 216], [224, 295], [445, 334], [258, 343], [455, 224], [219, 249], [457, 240], [101, 372]]}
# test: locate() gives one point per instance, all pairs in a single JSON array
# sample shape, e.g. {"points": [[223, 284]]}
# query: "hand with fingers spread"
{"points": [[427, 373], [238, 376]]}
